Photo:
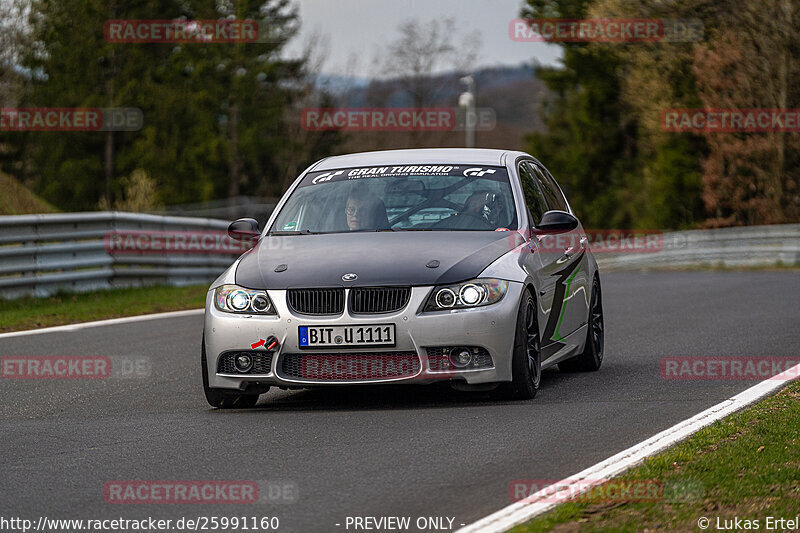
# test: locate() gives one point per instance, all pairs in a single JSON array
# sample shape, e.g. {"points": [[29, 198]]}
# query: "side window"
{"points": [[555, 200], [533, 194]]}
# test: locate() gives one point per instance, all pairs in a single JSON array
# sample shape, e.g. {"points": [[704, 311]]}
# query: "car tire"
{"points": [[526, 363], [592, 356], [220, 398]]}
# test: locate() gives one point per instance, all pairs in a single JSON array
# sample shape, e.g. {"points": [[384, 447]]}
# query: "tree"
{"points": [[73, 66], [412, 59], [640, 174], [304, 147], [664, 184], [251, 85], [752, 178], [590, 143], [423, 48], [14, 38], [214, 113]]}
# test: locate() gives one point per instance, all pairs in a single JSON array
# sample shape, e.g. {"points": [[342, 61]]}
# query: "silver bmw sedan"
{"points": [[407, 266]]}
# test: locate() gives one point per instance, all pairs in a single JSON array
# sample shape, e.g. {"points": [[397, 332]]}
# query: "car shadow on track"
{"points": [[388, 397]]}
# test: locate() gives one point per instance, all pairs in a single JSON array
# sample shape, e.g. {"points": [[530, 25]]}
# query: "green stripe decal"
{"points": [[556, 335]]}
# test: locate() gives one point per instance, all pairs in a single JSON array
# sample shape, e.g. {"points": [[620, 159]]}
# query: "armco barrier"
{"points": [[727, 247], [41, 254]]}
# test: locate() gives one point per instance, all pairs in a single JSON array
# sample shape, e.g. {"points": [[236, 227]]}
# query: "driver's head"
{"points": [[363, 210]]}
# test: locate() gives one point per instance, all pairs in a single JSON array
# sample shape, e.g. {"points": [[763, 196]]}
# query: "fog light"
{"points": [[460, 357], [244, 362]]}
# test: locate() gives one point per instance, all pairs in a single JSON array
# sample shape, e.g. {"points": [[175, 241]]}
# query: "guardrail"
{"points": [[746, 246], [258, 208], [42, 254]]}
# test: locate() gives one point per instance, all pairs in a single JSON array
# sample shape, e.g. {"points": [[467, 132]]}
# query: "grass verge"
{"points": [[69, 308], [746, 466]]}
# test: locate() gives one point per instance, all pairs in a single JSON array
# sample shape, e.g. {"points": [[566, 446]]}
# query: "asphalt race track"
{"points": [[400, 451]]}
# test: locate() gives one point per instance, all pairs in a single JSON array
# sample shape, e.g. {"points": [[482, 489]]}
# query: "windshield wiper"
{"points": [[300, 232]]}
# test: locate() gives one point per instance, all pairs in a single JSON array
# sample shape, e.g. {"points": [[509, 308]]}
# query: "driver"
{"points": [[365, 211]]}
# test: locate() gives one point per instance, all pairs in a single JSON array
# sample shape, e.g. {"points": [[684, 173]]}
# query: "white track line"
{"points": [[524, 510], [100, 323]]}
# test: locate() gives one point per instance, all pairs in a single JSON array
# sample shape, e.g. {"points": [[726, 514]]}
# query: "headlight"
{"points": [[475, 293], [233, 299]]}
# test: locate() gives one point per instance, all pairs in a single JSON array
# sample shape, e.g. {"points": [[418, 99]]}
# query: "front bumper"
{"points": [[490, 327]]}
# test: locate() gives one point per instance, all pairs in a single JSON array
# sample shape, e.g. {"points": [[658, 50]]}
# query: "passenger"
{"points": [[475, 203], [485, 205]]}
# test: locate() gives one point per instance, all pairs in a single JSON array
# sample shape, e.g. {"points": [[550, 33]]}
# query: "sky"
{"points": [[357, 29]]}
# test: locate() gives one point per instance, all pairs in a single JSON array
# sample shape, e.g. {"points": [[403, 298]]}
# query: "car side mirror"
{"points": [[556, 222], [244, 229]]}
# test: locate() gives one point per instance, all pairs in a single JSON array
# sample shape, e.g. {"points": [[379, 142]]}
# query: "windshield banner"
{"points": [[404, 171]]}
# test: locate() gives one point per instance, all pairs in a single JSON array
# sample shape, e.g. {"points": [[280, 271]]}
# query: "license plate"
{"points": [[327, 336]]}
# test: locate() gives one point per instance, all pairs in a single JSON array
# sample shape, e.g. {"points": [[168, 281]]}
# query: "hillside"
{"points": [[16, 199]]}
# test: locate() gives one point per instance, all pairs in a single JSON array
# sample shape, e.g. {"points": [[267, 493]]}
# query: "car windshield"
{"points": [[400, 198]]}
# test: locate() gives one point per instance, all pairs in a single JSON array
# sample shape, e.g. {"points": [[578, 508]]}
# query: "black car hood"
{"points": [[381, 258]]}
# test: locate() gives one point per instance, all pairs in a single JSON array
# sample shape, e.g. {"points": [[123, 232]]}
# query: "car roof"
{"points": [[420, 156]]}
